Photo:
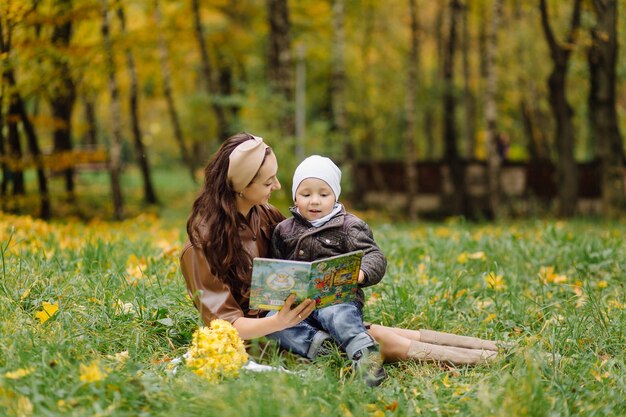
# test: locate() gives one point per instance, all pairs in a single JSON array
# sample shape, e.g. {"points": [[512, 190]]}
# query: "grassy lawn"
{"points": [[123, 315]]}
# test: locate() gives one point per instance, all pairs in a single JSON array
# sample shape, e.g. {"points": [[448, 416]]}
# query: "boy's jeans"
{"points": [[341, 322]]}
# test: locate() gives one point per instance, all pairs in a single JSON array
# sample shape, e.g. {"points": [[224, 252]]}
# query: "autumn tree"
{"points": [[491, 111], [115, 151], [560, 52], [140, 149], [62, 88], [166, 81], [208, 73], [280, 63], [17, 113], [409, 110], [451, 153], [338, 93], [602, 59]]}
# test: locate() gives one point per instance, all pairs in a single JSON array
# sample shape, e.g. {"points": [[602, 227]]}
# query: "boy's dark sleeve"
{"points": [[374, 262], [277, 246]]}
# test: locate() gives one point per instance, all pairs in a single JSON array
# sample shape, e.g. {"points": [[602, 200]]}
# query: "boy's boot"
{"points": [[368, 363], [427, 352], [449, 339]]}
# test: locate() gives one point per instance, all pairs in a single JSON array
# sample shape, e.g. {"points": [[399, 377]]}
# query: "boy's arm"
{"points": [[277, 245], [374, 263]]}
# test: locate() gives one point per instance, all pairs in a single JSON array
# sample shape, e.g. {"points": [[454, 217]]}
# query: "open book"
{"points": [[326, 281]]}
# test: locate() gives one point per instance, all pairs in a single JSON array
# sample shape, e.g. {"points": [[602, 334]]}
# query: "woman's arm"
{"points": [[250, 328]]}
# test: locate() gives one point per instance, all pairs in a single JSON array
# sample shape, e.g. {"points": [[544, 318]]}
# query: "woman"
{"points": [[231, 223]]}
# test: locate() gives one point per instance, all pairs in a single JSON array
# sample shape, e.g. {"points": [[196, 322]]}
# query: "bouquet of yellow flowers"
{"points": [[216, 352]]}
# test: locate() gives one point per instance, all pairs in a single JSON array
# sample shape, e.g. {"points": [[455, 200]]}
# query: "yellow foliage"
{"points": [[92, 372], [47, 311]]}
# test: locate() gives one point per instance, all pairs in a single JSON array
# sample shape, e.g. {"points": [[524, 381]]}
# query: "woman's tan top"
{"points": [[213, 298]]}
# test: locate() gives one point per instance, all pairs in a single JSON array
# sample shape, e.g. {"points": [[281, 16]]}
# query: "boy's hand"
{"points": [[361, 276]]}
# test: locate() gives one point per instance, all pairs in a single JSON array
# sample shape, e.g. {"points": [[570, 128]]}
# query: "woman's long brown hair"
{"points": [[213, 223]]}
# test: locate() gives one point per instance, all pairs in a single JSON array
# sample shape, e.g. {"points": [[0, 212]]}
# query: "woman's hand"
{"points": [[361, 276], [289, 317]]}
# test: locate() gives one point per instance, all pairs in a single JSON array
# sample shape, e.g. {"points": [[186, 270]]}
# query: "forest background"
{"points": [[109, 109], [134, 88]]}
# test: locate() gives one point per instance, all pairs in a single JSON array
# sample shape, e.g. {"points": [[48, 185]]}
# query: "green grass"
{"points": [[106, 307]]}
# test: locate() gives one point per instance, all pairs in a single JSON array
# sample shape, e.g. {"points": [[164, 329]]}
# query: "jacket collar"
{"points": [[334, 221]]}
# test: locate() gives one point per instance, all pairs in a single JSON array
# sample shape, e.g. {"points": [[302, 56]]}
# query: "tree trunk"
{"points": [[115, 153], [279, 65], [338, 95], [33, 146], [89, 108], [602, 58], [208, 77], [491, 111], [451, 152], [366, 139], [15, 150], [567, 175], [3, 153], [469, 101], [169, 97], [410, 139], [63, 89], [141, 151]]}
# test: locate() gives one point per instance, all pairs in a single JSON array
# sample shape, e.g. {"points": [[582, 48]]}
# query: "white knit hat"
{"points": [[320, 167]]}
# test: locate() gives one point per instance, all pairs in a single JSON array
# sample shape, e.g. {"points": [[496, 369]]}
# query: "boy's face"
{"points": [[314, 199]]}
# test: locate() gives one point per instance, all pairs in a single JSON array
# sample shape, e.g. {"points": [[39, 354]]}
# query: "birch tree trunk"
{"points": [[140, 149], [410, 139], [567, 175], [602, 58], [169, 97], [115, 151], [491, 110]]}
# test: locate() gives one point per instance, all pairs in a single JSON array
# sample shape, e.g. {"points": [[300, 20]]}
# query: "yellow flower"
{"points": [[47, 312], [136, 267], [23, 406], [92, 372], [216, 352], [489, 318], [464, 257], [19, 373], [547, 275], [495, 282]]}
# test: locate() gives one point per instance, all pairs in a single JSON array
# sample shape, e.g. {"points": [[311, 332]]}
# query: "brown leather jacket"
{"points": [[212, 297]]}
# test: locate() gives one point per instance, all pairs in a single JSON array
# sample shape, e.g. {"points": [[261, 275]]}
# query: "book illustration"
{"points": [[326, 281]]}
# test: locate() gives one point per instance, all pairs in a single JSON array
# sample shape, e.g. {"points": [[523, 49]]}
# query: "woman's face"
{"points": [[260, 190]]}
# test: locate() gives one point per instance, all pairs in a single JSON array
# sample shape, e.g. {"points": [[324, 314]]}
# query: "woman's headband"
{"points": [[245, 161]]}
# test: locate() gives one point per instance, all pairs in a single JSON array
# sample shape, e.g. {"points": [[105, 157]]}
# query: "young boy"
{"points": [[320, 228]]}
